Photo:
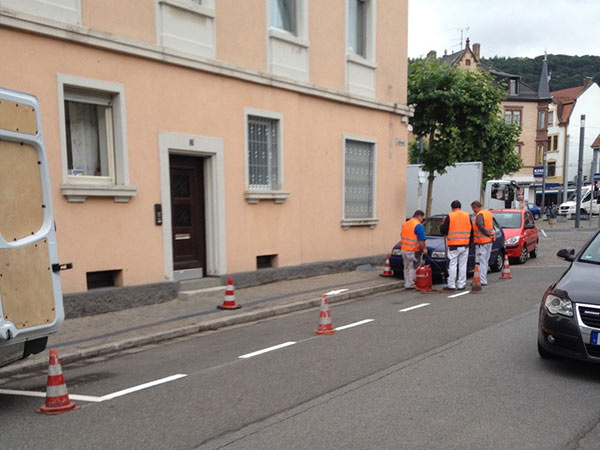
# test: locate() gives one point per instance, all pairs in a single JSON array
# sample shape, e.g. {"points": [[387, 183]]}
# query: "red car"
{"points": [[520, 232]]}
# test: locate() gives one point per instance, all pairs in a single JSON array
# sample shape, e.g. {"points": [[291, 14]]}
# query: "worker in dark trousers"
{"points": [[458, 229], [413, 245], [483, 236]]}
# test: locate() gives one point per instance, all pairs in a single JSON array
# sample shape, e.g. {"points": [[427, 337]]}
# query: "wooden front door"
{"points": [[187, 212]]}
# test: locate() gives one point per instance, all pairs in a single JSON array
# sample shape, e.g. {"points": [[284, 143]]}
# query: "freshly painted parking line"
{"points": [[265, 350], [413, 307], [142, 386], [458, 295], [83, 398], [544, 233], [355, 324], [336, 291]]}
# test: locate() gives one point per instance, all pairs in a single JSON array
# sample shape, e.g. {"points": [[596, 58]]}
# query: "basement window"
{"points": [[266, 261], [103, 279]]}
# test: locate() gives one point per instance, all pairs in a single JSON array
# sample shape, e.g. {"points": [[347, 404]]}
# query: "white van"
{"points": [[31, 304], [588, 203]]}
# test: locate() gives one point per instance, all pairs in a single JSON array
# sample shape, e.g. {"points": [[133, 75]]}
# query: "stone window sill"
{"points": [[191, 7], [357, 59], [77, 193], [253, 197], [371, 223], [275, 33]]}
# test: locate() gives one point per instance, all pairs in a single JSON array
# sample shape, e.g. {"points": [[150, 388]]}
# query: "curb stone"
{"points": [[207, 325]]}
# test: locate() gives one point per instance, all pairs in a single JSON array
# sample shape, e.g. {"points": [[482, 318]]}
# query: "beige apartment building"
{"points": [[194, 138]]}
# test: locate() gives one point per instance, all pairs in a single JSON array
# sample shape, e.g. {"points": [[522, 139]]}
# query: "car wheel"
{"points": [[533, 254], [523, 255], [498, 263], [536, 216], [544, 354]]}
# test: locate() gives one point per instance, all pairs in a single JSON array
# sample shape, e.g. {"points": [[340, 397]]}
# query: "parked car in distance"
{"points": [[535, 210], [569, 319], [436, 256], [520, 232]]}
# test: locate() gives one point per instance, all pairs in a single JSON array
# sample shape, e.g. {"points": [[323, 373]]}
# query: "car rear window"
{"points": [[508, 219], [432, 226]]}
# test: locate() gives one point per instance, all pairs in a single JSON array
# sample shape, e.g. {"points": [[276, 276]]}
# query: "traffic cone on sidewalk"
{"points": [[325, 325], [506, 269], [229, 300], [57, 397], [476, 286], [387, 270]]}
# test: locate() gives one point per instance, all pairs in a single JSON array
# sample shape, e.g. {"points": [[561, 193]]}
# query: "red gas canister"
{"points": [[424, 278]]}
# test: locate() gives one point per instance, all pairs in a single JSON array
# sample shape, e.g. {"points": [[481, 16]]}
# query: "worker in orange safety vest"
{"points": [[413, 245], [458, 230], [483, 236]]}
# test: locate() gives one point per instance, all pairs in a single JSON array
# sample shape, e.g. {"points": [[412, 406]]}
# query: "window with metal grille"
{"points": [[358, 179], [263, 142]]}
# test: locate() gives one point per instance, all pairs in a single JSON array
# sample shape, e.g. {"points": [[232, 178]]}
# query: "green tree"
{"points": [[458, 113]]}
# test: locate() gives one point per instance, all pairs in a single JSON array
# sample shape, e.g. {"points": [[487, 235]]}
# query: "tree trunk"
{"points": [[430, 178]]}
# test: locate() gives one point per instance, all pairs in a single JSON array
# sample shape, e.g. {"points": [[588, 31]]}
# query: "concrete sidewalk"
{"points": [[102, 334]]}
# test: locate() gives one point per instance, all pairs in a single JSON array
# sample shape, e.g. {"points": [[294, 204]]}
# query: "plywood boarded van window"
{"points": [[18, 118], [21, 211]]}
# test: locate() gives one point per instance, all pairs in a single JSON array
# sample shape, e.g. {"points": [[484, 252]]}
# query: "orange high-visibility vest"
{"points": [[488, 225], [409, 241], [459, 232]]}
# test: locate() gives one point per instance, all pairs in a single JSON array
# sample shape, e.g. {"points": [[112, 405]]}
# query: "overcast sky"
{"points": [[505, 27]]}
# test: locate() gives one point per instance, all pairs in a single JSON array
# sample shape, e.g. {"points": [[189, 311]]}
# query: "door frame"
{"points": [[212, 149]]}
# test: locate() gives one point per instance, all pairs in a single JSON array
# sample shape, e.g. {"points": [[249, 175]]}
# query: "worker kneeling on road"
{"points": [[414, 246], [457, 229], [483, 236]]}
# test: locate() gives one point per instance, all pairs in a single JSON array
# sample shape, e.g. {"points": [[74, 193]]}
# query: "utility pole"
{"points": [[580, 171], [566, 171]]}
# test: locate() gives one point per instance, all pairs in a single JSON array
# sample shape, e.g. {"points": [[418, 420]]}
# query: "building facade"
{"points": [[189, 138]]}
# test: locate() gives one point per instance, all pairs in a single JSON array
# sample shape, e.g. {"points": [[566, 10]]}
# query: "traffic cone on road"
{"points": [[476, 286], [387, 270], [506, 269], [57, 397], [229, 301], [325, 325]]}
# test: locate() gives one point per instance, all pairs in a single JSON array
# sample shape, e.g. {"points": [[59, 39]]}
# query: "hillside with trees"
{"points": [[567, 71]]}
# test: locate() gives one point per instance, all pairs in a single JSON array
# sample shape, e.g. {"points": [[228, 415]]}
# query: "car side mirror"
{"points": [[568, 254], [529, 226]]}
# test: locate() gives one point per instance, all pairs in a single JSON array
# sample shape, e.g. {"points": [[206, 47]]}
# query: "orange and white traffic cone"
{"points": [[476, 285], [387, 270], [57, 397], [325, 325], [506, 269], [229, 300]]}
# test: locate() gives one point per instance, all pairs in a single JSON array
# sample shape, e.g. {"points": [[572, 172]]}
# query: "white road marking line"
{"points": [[458, 295], [336, 291], [142, 386], [355, 324], [265, 350], [544, 233], [83, 398], [413, 307]]}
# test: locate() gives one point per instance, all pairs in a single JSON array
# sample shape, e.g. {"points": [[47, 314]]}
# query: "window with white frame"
{"points": [[358, 27], [263, 153], [359, 179], [284, 15], [89, 134], [512, 116], [68, 11], [93, 139], [361, 62]]}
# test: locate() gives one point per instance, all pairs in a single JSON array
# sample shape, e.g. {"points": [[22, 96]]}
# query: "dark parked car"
{"points": [[569, 322], [436, 257]]}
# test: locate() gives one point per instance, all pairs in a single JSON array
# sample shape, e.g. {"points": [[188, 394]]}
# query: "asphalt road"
{"points": [[458, 373]]}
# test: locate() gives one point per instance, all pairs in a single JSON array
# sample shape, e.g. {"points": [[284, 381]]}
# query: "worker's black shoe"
{"points": [[448, 288]]}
